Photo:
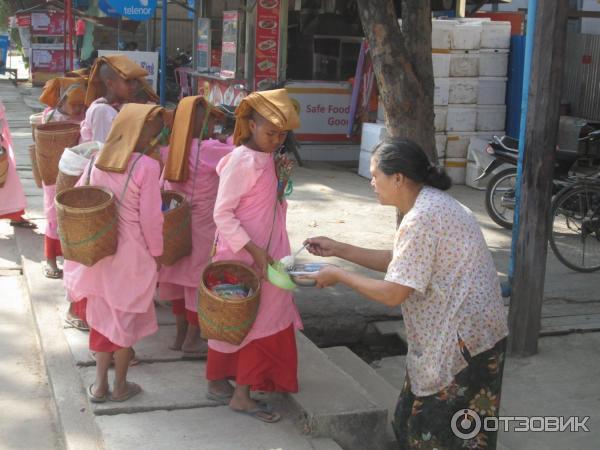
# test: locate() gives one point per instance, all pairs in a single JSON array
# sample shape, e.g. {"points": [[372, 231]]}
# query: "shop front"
{"points": [[310, 47]]}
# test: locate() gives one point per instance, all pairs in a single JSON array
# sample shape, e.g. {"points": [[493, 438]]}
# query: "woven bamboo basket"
{"points": [[3, 166], [87, 223], [177, 230], [222, 319], [51, 140], [35, 120], [64, 181], [34, 168]]}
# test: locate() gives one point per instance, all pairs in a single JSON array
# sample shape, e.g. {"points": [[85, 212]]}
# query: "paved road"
{"points": [[27, 416]]}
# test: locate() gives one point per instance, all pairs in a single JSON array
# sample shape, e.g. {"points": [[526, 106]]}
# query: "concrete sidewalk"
{"points": [[328, 200]]}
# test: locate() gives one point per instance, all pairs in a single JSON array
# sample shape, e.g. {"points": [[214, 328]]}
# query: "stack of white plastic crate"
{"points": [[470, 62], [470, 65]]}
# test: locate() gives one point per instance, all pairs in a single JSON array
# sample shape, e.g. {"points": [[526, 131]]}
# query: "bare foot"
{"points": [[221, 388], [182, 327], [193, 343]]}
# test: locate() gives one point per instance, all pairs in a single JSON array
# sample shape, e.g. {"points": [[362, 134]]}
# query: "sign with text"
{"points": [[324, 108], [148, 60], [267, 50], [134, 9], [47, 60], [231, 23], [203, 45], [47, 23]]}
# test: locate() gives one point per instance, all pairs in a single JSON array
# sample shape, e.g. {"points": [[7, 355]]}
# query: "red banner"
{"points": [[267, 43], [23, 20]]}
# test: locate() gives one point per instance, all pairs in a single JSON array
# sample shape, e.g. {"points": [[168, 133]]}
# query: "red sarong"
{"points": [[15, 216], [178, 307], [100, 343], [192, 317], [266, 364], [52, 247], [78, 309]]}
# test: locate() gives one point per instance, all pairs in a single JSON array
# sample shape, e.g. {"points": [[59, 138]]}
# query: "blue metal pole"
{"points": [[163, 53], [529, 41]]}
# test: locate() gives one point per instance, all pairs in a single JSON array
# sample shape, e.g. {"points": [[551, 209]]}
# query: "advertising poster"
{"points": [[148, 60], [134, 9], [267, 43], [203, 45], [47, 23], [231, 21], [44, 60]]}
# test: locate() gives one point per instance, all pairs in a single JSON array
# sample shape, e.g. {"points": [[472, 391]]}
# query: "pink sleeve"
{"points": [[151, 217], [238, 175]]}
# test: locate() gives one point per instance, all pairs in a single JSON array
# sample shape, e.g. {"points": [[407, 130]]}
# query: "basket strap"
{"points": [[216, 326]]}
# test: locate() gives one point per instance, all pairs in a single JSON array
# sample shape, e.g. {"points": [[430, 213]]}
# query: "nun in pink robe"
{"points": [[12, 197], [247, 209], [181, 279], [120, 288], [52, 247]]}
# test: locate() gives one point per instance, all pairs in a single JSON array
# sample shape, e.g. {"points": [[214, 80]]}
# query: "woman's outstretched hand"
{"points": [[322, 246], [326, 277]]}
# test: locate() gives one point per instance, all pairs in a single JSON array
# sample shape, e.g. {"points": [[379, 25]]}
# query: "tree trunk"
{"points": [[403, 67]]}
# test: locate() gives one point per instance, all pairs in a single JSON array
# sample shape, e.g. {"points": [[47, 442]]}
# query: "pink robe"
{"points": [[98, 121], [200, 190], [120, 288], [244, 210], [12, 196]]}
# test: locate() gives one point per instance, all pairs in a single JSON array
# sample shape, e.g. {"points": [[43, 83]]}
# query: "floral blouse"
{"points": [[440, 252]]}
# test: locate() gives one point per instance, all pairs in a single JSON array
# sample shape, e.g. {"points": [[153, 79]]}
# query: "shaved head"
{"points": [[107, 73]]}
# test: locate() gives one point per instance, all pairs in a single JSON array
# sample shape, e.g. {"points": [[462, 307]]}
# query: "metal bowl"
{"points": [[298, 272]]}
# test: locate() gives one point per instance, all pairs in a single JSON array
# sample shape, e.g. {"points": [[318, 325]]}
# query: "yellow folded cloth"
{"points": [[177, 168], [71, 90], [124, 135], [275, 106]]}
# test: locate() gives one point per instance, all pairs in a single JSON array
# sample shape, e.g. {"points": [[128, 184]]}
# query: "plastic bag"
{"points": [[74, 159]]}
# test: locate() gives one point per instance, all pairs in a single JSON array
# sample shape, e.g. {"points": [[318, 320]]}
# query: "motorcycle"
{"points": [[500, 192]]}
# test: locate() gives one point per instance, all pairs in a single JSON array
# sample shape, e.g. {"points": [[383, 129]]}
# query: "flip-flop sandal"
{"points": [[221, 399], [77, 323], [23, 224], [262, 412], [133, 389], [95, 398], [49, 272]]}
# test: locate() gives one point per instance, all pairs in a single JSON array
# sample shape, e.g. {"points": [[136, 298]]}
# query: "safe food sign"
{"points": [[324, 109]]}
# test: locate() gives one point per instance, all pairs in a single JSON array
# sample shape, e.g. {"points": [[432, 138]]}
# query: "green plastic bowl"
{"points": [[279, 277]]}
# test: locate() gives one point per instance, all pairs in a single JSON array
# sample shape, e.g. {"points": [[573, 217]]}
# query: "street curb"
{"points": [[73, 411]]}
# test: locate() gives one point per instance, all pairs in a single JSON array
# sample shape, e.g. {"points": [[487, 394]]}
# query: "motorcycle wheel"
{"points": [[503, 181]]}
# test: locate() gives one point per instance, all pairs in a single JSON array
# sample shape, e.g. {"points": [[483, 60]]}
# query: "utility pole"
{"points": [[534, 224]]}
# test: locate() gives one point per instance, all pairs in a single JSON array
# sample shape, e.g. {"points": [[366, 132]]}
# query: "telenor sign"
{"points": [[134, 9]]}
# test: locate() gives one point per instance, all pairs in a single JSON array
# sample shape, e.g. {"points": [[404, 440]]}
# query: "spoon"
{"points": [[288, 261]]}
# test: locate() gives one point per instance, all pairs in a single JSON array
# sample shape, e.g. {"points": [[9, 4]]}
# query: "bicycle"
{"points": [[575, 236]]}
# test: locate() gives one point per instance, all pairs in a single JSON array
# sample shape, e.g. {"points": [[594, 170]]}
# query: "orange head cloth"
{"points": [[275, 106], [123, 67], [69, 90], [79, 73], [177, 168], [124, 135], [146, 92]]}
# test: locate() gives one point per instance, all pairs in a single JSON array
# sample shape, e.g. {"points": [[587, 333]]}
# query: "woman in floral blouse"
{"points": [[442, 274]]}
